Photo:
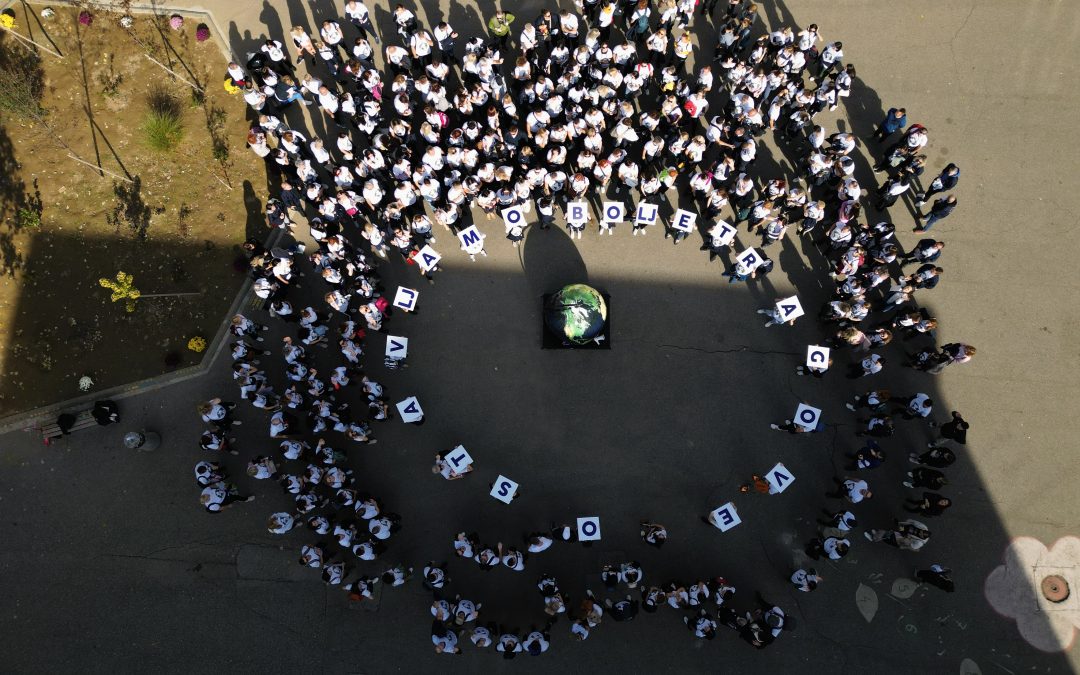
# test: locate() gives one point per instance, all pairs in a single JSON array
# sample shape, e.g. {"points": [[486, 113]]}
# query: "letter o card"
{"points": [[789, 308], [817, 356], [513, 216], [684, 221], [458, 459], [779, 478], [504, 489], [397, 347], [406, 298], [807, 416], [410, 410], [614, 212], [725, 517], [577, 212], [646, 214], [427, 258], [588, 528], [749, 258]]}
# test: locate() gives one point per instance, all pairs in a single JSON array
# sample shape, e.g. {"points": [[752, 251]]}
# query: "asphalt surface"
{"points": [[110, 564]]}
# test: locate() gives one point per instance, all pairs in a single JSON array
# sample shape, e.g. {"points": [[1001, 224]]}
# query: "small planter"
{"points": [[202, 32]]}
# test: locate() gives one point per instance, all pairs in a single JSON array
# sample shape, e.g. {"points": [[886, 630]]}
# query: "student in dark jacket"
{"points": [[946, 180], [940, 210], [895, 120]]}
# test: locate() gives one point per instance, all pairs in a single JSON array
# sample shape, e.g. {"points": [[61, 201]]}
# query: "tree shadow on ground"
{"points": [[130, 210]]}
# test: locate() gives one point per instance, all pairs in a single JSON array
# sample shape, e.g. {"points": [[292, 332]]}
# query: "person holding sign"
{"points": [[817, 371], [427, 272], [472, 242], [760, 485], [774, 317], [721, 234], [794, 428], [443, 468]]}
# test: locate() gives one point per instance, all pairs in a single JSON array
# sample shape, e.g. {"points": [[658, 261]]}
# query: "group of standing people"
{"points": [[595, 104]]}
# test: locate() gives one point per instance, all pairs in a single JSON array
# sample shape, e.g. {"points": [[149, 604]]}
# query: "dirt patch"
{"points": [[171, 220]]}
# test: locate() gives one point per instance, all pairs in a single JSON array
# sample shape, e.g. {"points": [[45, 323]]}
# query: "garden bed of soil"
{"points": [[170, 218]]}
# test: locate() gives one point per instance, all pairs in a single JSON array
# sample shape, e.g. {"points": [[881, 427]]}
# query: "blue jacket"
{"points": [[894, 124]]}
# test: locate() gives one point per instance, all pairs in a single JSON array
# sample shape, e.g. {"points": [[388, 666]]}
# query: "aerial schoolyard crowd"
{"points": [[592, 104]]}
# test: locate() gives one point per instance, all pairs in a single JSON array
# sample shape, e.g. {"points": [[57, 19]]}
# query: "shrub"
{"points": [[176, 22], [86, 18], [202, 32], [163, 127], [109, 79], [23, 83], [28, 218], [163, 132]]}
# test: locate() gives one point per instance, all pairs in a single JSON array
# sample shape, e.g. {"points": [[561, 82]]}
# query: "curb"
{"points": [[139, 8], [33, 419]]}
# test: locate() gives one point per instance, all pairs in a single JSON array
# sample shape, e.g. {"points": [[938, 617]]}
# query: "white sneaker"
{"points": [[850, 407], [868, 536], [775, 427], [770, 323], [763, 311]]}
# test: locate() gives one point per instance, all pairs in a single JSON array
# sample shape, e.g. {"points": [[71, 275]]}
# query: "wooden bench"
{"points": [[83, 419]]}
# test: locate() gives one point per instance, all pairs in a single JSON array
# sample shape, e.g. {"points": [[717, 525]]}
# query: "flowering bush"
{"points": [[7, 19], [202, 32], [176, 22], [85, 382], [48, 13], [122, 289], [230, 86], [127, 21], [197, 344], [86, 18]]}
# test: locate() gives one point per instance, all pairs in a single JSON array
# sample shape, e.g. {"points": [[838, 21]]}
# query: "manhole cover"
{"points": [[1055, 588]]}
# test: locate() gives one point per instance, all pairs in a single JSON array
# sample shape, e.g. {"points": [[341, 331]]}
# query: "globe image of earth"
{"points": [[576, 313]]}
